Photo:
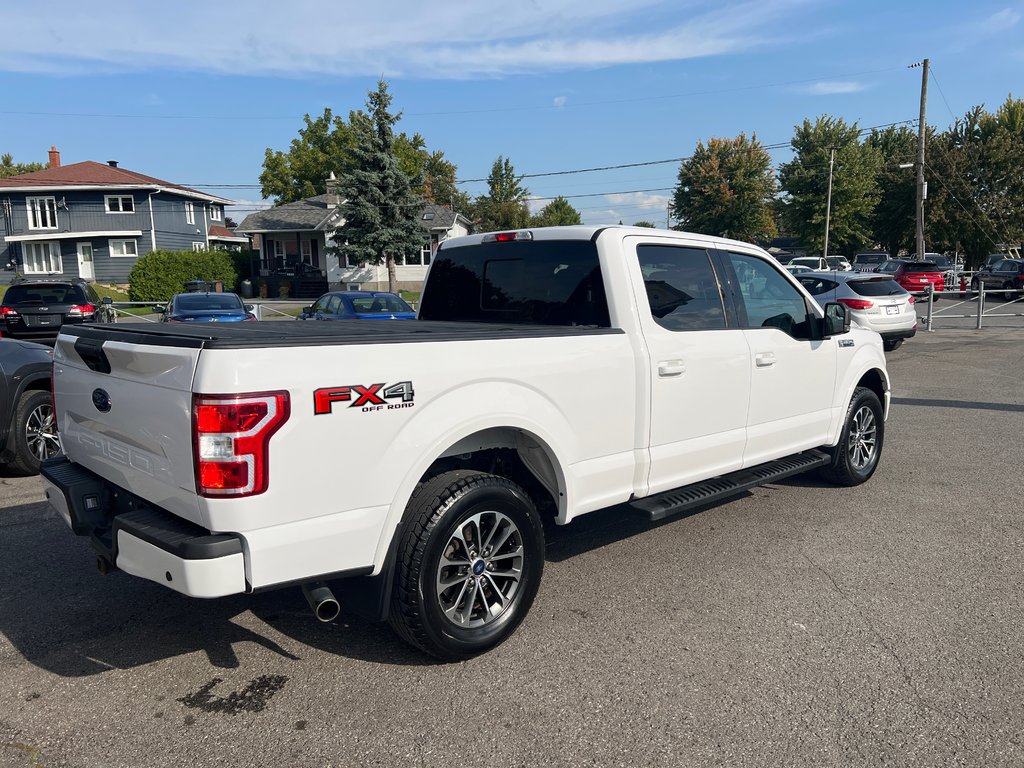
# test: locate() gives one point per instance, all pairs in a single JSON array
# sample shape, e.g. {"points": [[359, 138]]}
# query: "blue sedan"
{"points": [[358, 305], [206, 308]]}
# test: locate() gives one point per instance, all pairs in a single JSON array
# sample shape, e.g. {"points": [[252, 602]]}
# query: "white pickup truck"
{"points": [[407, 466]]}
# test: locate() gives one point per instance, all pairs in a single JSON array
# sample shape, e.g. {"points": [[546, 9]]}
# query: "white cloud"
{"points": [[559, 101], [973, 33], [483, 38], [831, 87], [629, 208]]}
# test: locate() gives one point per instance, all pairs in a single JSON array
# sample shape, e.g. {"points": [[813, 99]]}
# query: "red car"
{"points": [[915, 276]]}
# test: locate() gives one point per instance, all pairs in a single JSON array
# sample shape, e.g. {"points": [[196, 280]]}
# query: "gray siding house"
{"points": [[295, 238], [93, 220]]}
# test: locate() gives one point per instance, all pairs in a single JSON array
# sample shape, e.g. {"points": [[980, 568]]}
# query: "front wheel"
{"points": [[855, 458], [469, 564], [34, 432], [1010, 292]]}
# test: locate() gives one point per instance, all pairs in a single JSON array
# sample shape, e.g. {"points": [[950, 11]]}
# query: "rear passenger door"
{"points": [[699, 366], [792, 375]]}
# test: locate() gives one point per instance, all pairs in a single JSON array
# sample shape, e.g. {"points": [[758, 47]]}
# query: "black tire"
{"points": [[487, 594], [975, 286], [1009, 292], [33, 432], [855, 457], [891, 344]]}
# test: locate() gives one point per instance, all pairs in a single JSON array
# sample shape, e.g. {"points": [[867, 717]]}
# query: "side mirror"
{"points": [[248, 307], [837, 319], [107, 300], [307, 310], [159, 309]]}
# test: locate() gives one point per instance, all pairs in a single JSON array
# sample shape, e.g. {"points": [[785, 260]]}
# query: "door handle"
{"points": [[764, 359], [669, 368]]}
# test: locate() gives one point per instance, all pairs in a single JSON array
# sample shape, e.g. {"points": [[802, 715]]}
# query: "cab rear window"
{"points": [[542, 282]]}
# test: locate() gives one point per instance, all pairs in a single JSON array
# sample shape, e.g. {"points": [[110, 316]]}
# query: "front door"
{"points": [[698, 365], [85, 270]]}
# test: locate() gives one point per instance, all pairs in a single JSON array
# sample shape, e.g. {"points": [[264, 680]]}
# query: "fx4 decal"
{"points": [[373, 397]]}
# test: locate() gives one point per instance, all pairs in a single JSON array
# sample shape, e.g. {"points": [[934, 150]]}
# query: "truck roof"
{"points": [[590, 231]]}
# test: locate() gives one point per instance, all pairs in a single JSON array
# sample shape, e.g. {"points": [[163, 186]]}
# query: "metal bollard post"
{"points": [[981, 303], [931, 303], [259, 311]]}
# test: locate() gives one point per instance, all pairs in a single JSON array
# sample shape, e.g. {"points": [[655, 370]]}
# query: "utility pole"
{"points": [[828, 200], [922, 186]]}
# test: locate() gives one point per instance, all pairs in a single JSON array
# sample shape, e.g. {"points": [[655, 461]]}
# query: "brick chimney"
{"points": [[332, 191], [54, 158]]}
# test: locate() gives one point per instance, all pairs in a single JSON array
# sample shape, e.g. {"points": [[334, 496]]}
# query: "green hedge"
{"points": [[160, 274]]}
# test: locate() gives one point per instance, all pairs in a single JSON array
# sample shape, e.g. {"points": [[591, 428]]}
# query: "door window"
{"points": [[333, 305], [683, 293], [769, 299]]}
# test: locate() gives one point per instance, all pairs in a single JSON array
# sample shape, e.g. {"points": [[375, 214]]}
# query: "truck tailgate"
{"points": [[124, 411]]}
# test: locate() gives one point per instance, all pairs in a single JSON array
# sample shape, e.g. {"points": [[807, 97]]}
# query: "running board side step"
{"points": [[678, 500]]}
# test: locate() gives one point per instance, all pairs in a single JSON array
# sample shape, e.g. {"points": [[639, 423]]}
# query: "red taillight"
{"points": [[6, 312], [231, 435], [507, 237], [910, 299], [82, 309], [857, 303]]}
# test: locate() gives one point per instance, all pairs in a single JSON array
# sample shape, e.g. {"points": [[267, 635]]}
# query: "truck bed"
{"points": [[312, 333]]}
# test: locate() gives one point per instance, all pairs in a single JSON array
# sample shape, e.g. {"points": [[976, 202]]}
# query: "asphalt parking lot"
{"points": [[799, 624]]}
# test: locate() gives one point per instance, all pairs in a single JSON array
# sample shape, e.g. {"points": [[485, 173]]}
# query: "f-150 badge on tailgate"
{"points": [[372, 397]]}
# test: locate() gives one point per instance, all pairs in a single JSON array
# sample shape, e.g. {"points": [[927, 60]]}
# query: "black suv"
{"points": [[37, 308], [28, 430]]}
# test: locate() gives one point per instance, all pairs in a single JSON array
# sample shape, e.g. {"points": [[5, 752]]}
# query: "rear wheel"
{"points": [[1010, 292], [890, 344], [469, 564], [34, 432], [855, 458]]}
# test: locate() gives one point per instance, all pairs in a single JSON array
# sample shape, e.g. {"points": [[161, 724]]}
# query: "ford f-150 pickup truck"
{"points": [[407, 466]]}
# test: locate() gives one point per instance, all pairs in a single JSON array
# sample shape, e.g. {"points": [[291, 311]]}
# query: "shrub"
{"points": [[160, 274]]}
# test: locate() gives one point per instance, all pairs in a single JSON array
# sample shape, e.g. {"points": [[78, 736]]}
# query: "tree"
{"points": [[380, 207], [804, 180], [976, 190], [893, 218], [726, 189], [558, 213], [504, 206], [648, 224], [10, 168], [323, 146]]}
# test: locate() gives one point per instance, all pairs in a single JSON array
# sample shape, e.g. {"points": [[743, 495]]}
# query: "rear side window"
{"points": [[543, 282], [883, 287], [682, 289], [816, 286]]}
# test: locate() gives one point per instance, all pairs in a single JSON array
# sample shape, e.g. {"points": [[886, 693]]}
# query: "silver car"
{"points": [[876, 302]]}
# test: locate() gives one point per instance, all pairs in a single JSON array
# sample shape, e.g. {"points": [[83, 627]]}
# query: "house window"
{"points": [[119, 203], [190, 213], [42, 212], [198, 246], [307, 251], [214, 213], [123, 249], [42, 258]]}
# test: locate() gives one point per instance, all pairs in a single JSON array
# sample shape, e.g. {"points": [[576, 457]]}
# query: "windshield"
{"points": [[365, 305], [938, 259], [206, 301], [879, 286]]}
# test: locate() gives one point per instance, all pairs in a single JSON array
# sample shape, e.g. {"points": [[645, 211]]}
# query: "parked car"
{"points": [[359, 305], [36, 308], [839, 263], [994, 258], [876, 302], [798, 269], [206, 308], [869, 261], [28, 430], [814, 262], [914, 276], [1007, 275]]}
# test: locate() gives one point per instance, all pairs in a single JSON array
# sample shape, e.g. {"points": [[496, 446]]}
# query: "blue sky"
{"points": [[194, 92]]}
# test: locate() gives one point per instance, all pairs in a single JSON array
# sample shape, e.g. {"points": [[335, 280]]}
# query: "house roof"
{"points": [[312, 213], [92, 174], [307, 214], [218, 232]]}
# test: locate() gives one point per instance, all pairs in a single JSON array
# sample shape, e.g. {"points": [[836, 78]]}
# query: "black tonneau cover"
{"points": [[282, 333]]}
